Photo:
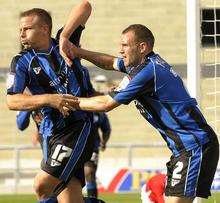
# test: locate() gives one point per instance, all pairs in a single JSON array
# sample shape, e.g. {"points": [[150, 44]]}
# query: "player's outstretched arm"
{"points": [[101, 60], [78, 16], [95, 104], [21, 102]]}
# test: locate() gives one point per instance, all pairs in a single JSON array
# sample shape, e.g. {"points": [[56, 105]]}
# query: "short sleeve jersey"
{"points": [[162, 99]]}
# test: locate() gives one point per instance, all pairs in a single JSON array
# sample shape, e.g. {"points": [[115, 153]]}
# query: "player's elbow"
{"points": [[87, 7], [108, 107], [21, 127]]}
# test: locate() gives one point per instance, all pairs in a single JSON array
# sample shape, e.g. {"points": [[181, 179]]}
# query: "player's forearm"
{"points": [[78, 16], [21, 102], [106, 137], [101, 60], [97, 104], [94, 104]]}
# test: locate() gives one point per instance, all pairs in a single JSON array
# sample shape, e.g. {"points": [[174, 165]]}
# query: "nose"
{"points": [[22, 33], [121, 51]]}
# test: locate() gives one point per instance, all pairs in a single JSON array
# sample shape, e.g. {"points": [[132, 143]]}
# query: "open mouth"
{"points": [[24, 43]]}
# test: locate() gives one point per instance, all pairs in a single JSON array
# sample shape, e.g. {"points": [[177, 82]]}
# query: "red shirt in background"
{"points": [[156, 185]]}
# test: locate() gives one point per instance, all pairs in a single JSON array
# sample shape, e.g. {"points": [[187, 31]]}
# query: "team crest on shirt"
{"points": [[37, 69], [10, 80]]}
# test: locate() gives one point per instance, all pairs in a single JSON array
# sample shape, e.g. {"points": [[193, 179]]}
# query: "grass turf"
{"points": [[107, 197]]}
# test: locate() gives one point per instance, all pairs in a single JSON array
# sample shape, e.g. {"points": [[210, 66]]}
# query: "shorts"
{"points": [[95, 154], [66, 152], [94, 160], [191, 173]]}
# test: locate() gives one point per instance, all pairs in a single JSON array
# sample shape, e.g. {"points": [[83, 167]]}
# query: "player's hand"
{"points": [[66, 50], [102, 146], [63, 102]]}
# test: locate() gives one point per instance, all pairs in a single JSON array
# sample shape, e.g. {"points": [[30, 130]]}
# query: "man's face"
{"points": [[129, 49], [32, 33]]}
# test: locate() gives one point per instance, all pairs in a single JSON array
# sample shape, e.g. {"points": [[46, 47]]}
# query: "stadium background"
{"points": [[167, 20]]}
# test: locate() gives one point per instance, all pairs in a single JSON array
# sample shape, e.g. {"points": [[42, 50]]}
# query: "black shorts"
{"points": [[94, 160], [191, 173], [65, 153]]}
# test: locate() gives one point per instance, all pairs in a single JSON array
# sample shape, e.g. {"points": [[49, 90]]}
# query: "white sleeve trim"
{"points": [[115, 64]]}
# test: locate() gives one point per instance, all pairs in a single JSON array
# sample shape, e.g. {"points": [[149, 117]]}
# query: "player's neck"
{"points": [[44, 46]]}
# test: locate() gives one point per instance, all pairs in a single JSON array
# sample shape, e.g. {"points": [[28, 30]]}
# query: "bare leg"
{"points": [[90, 175], [72, 193], [45, 184]]}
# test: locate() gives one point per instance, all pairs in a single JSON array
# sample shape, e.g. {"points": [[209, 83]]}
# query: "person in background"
{"points": [[153, 190], [102, 131], [23, 120]]}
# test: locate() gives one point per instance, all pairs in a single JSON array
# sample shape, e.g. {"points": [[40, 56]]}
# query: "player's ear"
{"points": [[45, 28], [143, 46]]}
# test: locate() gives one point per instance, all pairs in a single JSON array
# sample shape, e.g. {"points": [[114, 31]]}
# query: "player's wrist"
{"points": [[47, 100], [64, 35]]}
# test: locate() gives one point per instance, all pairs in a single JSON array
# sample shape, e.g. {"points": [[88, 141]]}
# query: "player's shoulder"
{"points": [[20, 58], [22, 54], [156, 60]]}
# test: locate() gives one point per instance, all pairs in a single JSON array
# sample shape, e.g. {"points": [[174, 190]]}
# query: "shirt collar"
{"points": [[150, 54]]}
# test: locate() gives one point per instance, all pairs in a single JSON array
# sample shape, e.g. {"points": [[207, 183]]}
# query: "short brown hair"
{"points": [[43, 15], [142, 34]]}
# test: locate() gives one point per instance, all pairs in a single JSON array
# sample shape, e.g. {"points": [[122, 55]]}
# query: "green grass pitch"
{"points": [[107, 197]]}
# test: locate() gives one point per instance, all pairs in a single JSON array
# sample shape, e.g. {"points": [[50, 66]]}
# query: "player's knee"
{"points": [[41, 188], [90, 177], [90, 173]]}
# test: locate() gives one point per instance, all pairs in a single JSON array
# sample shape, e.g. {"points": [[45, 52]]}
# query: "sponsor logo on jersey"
{"points": [[55, 163], [174, 182]]}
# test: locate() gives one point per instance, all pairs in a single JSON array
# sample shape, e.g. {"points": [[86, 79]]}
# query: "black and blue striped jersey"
{"points": [[162, 99], [46, 72]]}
